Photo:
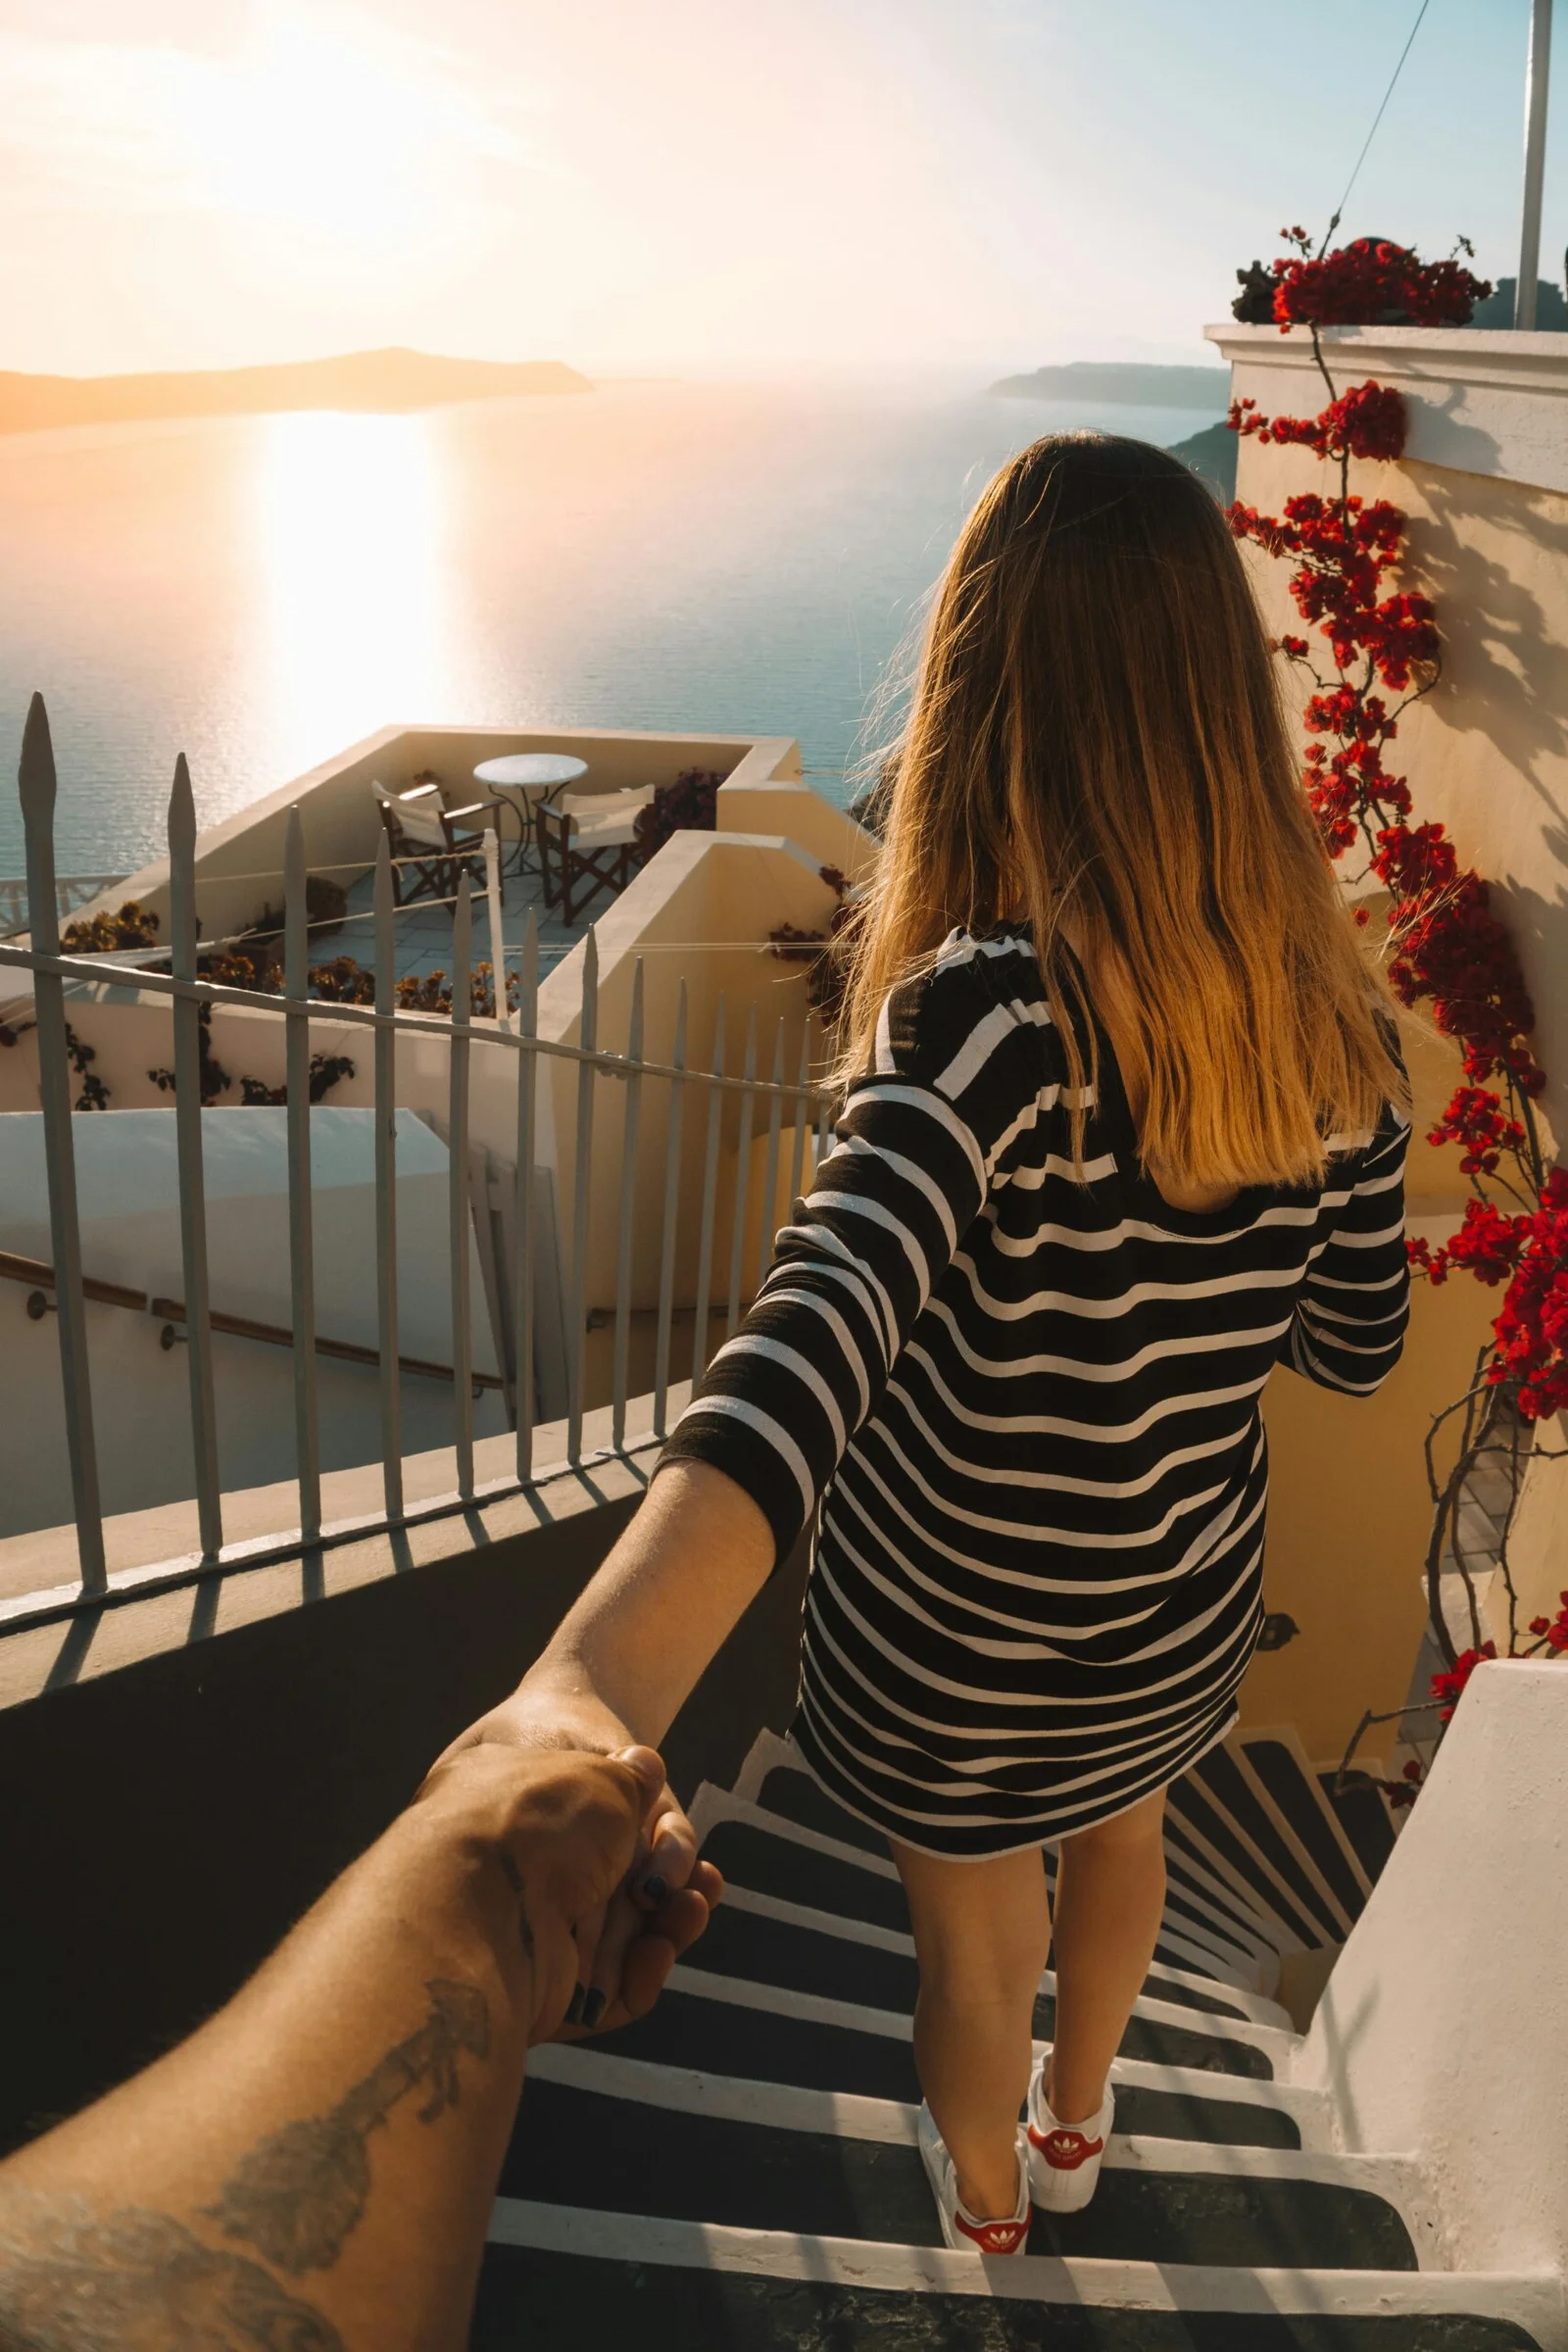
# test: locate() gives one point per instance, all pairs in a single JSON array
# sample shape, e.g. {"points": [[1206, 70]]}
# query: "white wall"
{"points": [[128, 1206], [1440, 2028]]}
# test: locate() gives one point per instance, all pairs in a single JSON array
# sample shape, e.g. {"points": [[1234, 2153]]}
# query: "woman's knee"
{"points": [[981, 1929]]}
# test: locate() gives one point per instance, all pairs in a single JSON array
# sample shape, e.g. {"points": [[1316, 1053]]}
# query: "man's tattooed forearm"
{"points": [[137, 2281], [299, 2192]]}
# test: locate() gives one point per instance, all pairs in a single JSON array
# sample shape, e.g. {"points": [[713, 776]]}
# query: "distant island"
{"points": [[375, 380], [1151, 386], [1212, 454]]}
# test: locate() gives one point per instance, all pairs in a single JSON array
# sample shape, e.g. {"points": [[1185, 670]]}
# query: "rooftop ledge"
{"points": [[1481, 401]]}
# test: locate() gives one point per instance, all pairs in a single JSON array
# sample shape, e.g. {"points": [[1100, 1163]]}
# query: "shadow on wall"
{"points": [[1493, 756]]}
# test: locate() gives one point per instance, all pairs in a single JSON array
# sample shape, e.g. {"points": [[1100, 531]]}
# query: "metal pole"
{"points": [[187, 1012], [36, 779], [302, 1263], [523, 1205], [628, 1211], [582, 1167], [666, 1262], [386, 1192], [498, 952], [458, 1184], [1536, 78]]}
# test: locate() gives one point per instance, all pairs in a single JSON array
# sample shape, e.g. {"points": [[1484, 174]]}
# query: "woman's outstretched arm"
{"points": [[627, 1655]]}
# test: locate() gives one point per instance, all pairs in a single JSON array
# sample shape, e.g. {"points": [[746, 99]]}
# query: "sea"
{"points": [[258, 592]]}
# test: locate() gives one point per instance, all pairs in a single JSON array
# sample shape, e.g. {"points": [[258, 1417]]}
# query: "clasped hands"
{"points": [[589, 1844]]}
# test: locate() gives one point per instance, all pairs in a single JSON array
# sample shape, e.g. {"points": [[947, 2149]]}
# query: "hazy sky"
{"points": [[731, 184]]}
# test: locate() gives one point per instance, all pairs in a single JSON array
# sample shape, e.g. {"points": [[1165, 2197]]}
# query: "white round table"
{"points": [[526, 773]]}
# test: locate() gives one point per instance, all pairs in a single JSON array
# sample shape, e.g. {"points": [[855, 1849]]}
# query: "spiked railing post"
{"points": [[188, 1023], [667, 1260], [458, 1184], [743, 1169], [386, 1190], [775, 1118], [302, 1265], [628, 1210], [704, 1237], [523, 1203], [582, 1168], [35, 781]]}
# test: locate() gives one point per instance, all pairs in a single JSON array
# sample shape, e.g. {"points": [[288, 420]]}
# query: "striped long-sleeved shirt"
{"points": [[1028, 1407]]}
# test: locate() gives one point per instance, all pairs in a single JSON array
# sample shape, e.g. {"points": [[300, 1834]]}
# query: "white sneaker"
{"points": [[1064, 2159], [959, 2228]]}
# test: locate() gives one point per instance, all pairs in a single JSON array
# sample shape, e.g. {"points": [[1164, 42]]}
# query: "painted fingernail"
{"points": [[574, 2007], [593, 2009], [654, 1888]]}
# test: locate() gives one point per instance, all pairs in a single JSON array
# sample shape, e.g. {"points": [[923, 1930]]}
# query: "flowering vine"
{"points": [[1376, 650]]}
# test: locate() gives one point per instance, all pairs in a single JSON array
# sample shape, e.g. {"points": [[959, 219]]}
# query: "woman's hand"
{"points": [[622, 1663], [627, 1946]]}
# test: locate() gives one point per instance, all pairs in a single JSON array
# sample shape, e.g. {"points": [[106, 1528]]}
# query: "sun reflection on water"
{"points": [[354, 620]]}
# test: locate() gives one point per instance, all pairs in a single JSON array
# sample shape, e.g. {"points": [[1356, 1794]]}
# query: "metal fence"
{"points": [[71, 891], [777, 1100]]}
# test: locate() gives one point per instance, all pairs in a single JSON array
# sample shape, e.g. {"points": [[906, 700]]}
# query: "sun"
{"points": [[317, 125]]}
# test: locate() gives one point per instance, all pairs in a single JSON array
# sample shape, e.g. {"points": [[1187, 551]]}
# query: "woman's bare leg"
{"points": [[981, 1934], [1111, 1894]]}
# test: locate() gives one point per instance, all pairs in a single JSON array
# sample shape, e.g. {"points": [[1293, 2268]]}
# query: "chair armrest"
{"points": [[470, 808]]}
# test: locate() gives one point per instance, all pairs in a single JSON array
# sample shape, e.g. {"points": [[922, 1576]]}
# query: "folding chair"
{"points": [[431, 844], [590, 852]]}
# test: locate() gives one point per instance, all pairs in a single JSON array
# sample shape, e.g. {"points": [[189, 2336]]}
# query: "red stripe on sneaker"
{"points": [[1064, 2151], [995, 2237]]}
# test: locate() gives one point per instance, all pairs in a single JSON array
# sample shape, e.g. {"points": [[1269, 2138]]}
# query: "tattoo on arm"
{"points": [[514, 1877], [299, 2192], [137, 2281]]}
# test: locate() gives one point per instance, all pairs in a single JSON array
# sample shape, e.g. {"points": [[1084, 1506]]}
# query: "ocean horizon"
{"points": [[258, 592]]}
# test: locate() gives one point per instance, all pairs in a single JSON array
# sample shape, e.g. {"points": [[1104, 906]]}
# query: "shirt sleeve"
{"points": [[963, 1064], [1349, 1327]]}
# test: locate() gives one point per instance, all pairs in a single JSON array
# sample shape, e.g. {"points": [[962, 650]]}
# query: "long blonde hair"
{"points": [[1095, 744]]}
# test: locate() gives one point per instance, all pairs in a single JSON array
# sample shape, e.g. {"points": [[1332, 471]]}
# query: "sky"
{"points": [[721, 186]]}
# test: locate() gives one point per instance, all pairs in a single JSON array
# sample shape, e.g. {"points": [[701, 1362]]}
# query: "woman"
{"points": [[1121, 1131]]}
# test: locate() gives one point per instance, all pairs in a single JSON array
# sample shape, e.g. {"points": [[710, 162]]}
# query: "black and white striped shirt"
{"points": [[1028, 1408]]}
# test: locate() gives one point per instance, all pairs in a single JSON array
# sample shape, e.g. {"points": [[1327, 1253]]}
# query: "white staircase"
{"points": [[739, 2170]]}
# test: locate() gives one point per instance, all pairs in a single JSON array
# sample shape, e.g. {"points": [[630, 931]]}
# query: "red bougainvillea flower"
{"points": [[1371, 282], [1451, 1686], [1531, 1330]]}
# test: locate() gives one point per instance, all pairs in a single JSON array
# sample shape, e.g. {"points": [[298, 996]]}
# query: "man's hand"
{"points": [[567, 1827]]}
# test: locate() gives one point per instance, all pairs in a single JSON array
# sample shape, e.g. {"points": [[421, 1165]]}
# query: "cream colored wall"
{"points": [[239, 862], [700, 913]]}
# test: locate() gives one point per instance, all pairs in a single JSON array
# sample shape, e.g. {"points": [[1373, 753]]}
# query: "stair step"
{"points": [[595, 2148], [1364, 1818], [804, 1874], [795, 2038], [1291, 1784], [577, 2281], [773, 1951], [1225, 1778], [794, 1794], [1204, 1922], [1272, 1873]]}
